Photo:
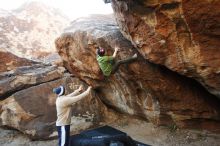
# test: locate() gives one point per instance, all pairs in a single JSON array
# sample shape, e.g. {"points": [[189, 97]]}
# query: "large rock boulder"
{"points": [[32, 111], [182, 35], [142, 89], [10, 61], [27, 76]]}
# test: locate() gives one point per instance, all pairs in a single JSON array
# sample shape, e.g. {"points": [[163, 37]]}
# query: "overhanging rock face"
{"points": [[182, 35], [140, 88]]}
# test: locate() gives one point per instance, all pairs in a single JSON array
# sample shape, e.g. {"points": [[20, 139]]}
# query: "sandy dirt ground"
{"points": [[137, 129]]}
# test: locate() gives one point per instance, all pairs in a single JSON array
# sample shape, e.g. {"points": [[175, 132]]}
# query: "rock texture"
{"points": [[30, 30], [27, 76], [142, 89], [10, 61], [182, 35], [32, 111]]}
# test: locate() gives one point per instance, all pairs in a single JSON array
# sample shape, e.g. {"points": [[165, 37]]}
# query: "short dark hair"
{"points": [[101, 51]]}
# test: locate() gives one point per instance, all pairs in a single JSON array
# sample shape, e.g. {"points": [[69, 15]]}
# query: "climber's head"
{"points": [[59, 90], [101, 51]]}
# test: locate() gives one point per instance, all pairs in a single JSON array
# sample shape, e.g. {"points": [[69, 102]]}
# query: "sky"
{"points": [[71, 8]]}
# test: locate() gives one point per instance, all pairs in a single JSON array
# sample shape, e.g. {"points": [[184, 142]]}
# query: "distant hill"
{"points": [[30, 30]]}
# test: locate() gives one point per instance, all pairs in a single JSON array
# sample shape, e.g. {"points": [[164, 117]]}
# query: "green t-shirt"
{"points": [[105, 63]]}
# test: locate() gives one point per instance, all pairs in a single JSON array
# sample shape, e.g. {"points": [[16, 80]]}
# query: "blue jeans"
{"points": [[63, 135]]}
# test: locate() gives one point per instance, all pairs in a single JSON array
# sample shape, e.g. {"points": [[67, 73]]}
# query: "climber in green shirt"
{"points": [[108, 64]]}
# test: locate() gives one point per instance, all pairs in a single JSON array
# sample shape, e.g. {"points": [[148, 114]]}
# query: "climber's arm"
{"points": [[69, 100], [115, 52]]}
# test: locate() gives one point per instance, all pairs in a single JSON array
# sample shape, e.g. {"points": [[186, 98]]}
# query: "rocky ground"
{"points": [[137, 129]]}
